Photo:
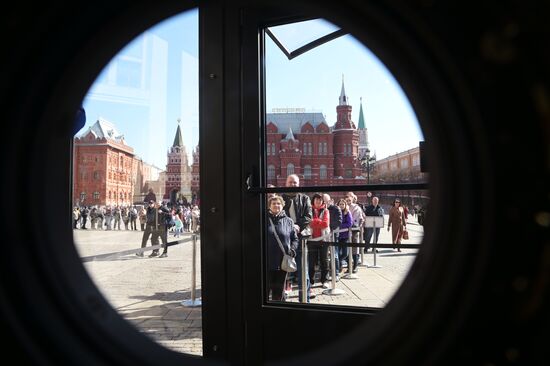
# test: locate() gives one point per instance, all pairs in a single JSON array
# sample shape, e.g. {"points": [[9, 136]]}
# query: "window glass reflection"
{"points": [[136, 207], [337, 117]]}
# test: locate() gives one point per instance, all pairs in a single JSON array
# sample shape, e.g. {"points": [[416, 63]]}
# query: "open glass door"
{"points": [[331, 156]]}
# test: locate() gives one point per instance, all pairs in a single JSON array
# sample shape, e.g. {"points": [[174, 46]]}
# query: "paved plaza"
{"points": [[148, 292]]}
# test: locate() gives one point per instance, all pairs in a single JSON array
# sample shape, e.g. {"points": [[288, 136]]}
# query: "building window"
{"points": [[404, 163], [348, 173], [96, 175], [323, 172], [325, 148], [308, 148], [289, 169], [82, 196], [307, 172], [271, 172], [96, 195]]}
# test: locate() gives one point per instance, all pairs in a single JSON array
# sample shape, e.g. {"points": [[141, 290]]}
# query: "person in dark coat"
{"points": [[283, 228], [373, 210], [335, 222], [298, 208], [151, 196], [155, 227]]}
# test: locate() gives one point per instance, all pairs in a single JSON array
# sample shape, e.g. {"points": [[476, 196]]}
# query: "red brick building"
{"points": [[105, 169], [178, 172], [304, 144]]}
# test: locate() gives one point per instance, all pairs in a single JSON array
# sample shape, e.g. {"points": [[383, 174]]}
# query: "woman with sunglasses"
{"points": [[397, 222]]}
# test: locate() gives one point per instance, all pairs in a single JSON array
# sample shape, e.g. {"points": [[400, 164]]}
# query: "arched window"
{"points": [[271, 172], [289, 169], [307, 172], [323, 172]]}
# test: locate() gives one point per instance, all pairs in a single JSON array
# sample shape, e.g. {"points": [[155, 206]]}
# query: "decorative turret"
{"points": [[178, 171], [363, 133], [289, 135], [343, 96], [178, 140], [343, 111]]}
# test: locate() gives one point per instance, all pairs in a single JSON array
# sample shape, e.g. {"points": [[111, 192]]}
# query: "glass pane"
{"points": [[136, 184], [295, 35], [337, 117]]}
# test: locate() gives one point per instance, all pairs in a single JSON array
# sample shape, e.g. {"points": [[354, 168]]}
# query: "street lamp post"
{"points": [[368, 165], [366, 161]]}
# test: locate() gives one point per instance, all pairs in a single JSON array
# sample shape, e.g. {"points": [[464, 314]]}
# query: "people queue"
{"points": [[295, 215], [184, 218]]}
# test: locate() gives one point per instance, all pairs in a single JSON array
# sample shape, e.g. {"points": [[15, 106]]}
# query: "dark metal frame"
{"points": [[307, 47]]}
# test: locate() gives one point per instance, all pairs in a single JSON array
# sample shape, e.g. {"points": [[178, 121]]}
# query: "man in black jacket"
{"points": [[155, 227], [373, 210], [298, 208]]}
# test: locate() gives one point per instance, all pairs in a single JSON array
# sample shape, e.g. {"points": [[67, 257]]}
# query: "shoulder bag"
{"points": [[288, 263]]}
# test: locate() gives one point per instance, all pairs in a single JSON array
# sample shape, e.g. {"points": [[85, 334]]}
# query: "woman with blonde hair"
{"points": [[280, 232], [397, 222]]}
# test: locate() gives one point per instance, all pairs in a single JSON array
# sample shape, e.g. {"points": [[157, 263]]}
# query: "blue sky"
{"points": [[153, 82]]}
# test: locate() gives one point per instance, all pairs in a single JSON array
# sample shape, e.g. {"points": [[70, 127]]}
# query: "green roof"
{"points": [[178, 140], [361, 123]]}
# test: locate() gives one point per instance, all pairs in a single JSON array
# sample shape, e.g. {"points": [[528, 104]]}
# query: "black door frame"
{"points": [[232, 100]]}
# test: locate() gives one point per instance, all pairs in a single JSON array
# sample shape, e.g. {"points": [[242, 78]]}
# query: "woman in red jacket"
{"points": [[319, 227]]}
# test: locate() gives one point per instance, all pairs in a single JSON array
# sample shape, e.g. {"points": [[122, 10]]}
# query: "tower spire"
{"points": [[343, 96], [361, 123], [290, 135], [178, 140]]}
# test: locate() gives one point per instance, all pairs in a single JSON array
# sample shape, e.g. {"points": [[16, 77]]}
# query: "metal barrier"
{"points": [[114, 255], [193, 302], [333, 291]]}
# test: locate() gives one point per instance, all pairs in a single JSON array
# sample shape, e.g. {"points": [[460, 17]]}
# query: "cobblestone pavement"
{"points": [[148, 292]]}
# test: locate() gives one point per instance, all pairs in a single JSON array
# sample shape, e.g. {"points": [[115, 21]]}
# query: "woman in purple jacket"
{"points": [[347, 222]]}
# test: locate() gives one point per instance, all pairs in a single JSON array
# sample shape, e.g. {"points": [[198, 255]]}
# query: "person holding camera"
{"points": [[155, 227]]}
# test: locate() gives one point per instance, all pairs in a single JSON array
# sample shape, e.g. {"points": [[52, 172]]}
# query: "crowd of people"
{"points": [[156, 219], [295, 215], [291, 217], [126, 217]]}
